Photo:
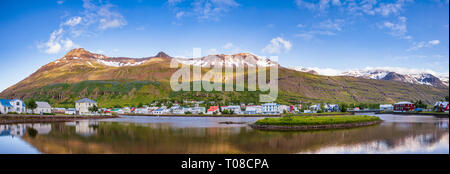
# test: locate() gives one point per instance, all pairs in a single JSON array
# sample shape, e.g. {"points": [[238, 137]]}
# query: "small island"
{"points": [[315, 122]]}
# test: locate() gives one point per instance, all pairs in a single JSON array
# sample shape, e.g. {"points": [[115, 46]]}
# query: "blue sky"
{"points": [[335, 34]]}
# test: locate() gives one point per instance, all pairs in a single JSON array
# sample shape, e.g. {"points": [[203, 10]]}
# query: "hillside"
{"points": [[128, 81]]}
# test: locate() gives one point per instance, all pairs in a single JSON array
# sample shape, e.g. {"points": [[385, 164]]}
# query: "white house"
{"points": [[71, 111], [42, 107], [253, 109], [271, 108], [14, 105], [160, 111], [198, 110], [82, 106], [386, 107]]}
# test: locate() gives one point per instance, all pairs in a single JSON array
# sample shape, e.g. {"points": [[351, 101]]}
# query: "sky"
{"points": [[409, 35]]}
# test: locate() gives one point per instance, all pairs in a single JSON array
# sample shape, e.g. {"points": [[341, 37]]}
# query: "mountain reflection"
{"points": [[157, 138]]}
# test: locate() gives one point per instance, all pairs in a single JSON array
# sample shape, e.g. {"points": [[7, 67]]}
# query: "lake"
{"points": [[398, 134]]}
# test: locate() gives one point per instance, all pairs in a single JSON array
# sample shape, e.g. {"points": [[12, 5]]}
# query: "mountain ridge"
{"points": [[113, 80]]}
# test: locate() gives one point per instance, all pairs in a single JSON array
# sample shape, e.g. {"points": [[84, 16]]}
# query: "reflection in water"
{"points": [[397, 134]]}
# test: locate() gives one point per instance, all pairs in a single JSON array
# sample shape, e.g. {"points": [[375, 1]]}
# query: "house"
{"points": [[82, 106], [253, 109], [333, 108], [386, 107], [117, 111], [14, 105], [42, 107], [271, 108], [236, 109], [161, 111], [404, 106], [142, 110], [314, 107], [59, 110], [284, 108], [441, 106], [213, 109], [71, 111], [198, 110]]}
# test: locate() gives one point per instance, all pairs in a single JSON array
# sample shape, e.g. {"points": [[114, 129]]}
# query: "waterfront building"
{"points": [[14, 105], [198, 110], [213, 109], [441, 106], [386, 107], [82, 106], [253, 109], [59, 110], [271, 108], [42, 107], [404, 106], [70, 111], [160, 111]]}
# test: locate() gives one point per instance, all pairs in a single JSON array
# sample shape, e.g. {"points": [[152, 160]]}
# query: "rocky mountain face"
{"points": [[122, 81], [414, 78]]}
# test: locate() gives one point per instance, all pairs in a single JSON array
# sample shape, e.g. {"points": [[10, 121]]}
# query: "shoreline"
{"points": [[196, 115], [437, 114], [13, 119], [314, 127]]}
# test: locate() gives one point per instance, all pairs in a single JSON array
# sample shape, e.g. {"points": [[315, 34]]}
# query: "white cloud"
{"points": [[277, 45], [324, 28], [97, 16], [423, 44], [60, 2], [202, 9], [321, 5], [73, 21], [397, 29], [56, 43]]}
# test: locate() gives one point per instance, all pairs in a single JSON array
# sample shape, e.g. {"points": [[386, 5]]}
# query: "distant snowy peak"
{"points": [[424, 78], [236, 60]]}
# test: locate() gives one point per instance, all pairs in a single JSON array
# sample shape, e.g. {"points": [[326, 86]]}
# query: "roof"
{"points": [[41, 104], [213, 108], [85, 100], [404, 102], [5, 102]]}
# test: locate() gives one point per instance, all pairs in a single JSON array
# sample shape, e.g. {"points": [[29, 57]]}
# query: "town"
{"points": [[87, 106]]}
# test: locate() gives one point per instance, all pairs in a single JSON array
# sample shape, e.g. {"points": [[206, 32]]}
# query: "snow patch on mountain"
{"points": [[415, 76]]}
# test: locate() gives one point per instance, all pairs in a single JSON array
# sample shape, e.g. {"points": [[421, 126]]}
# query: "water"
{"points": [[200, 135]]}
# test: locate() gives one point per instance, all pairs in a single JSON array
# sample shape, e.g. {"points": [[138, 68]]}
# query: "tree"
{"points": [[446, 98], [31, 104], [93, 109], [343, 108]]}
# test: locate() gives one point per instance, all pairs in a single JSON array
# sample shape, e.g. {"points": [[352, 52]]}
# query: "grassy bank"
{"points": [[309, 120]]}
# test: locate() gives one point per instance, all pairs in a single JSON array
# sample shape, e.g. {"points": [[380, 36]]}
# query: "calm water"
{"points": [[397, 134]]}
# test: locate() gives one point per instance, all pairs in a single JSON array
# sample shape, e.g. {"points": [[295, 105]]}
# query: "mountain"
{"points": [[383, 74], [122, 81]]}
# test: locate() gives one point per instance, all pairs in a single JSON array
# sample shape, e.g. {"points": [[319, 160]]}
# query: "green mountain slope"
{"points": [[83, 74]]}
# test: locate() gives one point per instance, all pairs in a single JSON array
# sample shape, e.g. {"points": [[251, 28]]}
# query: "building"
{"points": [[441, 106], [160, 111], [253, 109], [386, 107], [59, 110], [142, 110], [271, 108], [82, 106], [42, 107], [14, 105], [236, 109], [71, 111], [213, 109], [404, 106], [198, 110], [333, 108]]}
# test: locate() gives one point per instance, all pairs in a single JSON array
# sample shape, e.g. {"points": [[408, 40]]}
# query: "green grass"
{"points": [[308, 120]]}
